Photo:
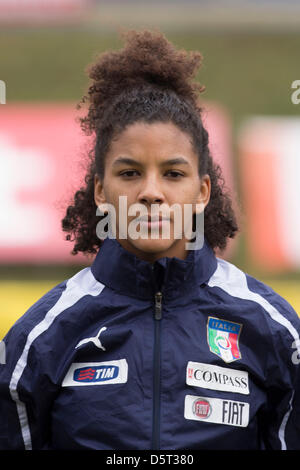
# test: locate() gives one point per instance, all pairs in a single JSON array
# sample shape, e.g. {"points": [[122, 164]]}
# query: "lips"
{"points": [[153, 219]]}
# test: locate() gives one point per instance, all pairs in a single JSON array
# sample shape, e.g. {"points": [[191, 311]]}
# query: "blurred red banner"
{"points": [[47, 11], [269, 150], [42, 155]]}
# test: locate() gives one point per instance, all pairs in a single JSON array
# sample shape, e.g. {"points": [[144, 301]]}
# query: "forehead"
{"points": [[156, 139]]}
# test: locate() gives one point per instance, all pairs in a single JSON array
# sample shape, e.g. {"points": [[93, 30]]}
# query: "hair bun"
{"points": [[147, 58]]}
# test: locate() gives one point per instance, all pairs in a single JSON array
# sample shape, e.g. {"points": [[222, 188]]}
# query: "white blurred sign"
{"points": [[23, 221], [270, 169]]}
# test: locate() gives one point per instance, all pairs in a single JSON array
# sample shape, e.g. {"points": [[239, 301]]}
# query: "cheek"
{"points": [[118, 198], [110, 190], [186, 195]]}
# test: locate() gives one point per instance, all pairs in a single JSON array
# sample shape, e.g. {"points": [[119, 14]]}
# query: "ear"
{"points": [[204, 194], [99, 195]]}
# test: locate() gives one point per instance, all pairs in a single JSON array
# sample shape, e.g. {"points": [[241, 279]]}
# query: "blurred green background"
{"points": [[246, 70]]}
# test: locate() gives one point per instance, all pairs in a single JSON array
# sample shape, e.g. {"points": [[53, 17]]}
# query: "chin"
{"points": [[152, 245], [158, 247]]}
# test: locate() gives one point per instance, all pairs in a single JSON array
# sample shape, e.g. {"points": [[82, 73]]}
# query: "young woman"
{"points": [[159, 344]]}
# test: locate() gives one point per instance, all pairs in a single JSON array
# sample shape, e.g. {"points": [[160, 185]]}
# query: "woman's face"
{"points": [[153, 164]]}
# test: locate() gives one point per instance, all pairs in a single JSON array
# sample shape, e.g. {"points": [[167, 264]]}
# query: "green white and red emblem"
{"points": [[223, 338]]}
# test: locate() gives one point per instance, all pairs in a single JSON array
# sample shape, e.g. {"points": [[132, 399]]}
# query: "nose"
{"points": [[151, 192]]}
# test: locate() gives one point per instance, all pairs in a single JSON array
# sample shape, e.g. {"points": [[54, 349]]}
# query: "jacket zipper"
{"points": [[156, 377]]}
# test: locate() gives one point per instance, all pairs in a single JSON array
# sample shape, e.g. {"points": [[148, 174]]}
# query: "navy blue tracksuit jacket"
{"points": [[179, 354]]}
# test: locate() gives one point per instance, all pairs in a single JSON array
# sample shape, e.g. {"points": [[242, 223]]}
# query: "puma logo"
{"points": [[93, 339]]}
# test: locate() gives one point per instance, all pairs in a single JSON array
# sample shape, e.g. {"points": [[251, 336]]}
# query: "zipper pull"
{"points": [[158, 306]]}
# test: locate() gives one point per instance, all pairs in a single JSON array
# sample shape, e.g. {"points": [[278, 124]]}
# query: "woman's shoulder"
{"points": [[54, 322], [241, 285], [61, 298]]}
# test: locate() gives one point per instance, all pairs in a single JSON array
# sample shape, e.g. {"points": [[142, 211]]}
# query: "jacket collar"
{"points": [[124, 272]]}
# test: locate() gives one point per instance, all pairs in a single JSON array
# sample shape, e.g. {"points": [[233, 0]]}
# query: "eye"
{"points": [[174, 174], [129, 173]]}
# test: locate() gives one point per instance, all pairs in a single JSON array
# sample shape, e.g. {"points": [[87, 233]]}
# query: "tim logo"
{"points": [[96, 374]]}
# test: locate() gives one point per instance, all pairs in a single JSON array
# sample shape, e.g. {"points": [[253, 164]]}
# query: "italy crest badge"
{"points": [[223, 338]]}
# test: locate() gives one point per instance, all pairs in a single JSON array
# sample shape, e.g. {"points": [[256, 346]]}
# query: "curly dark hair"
{"points": [[149, 80]]}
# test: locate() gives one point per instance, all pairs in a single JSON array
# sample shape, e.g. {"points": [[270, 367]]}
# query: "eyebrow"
{"points": [[132, 161]]}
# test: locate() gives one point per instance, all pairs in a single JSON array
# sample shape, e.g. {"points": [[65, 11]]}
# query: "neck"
{"points": [[176, 250]]}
